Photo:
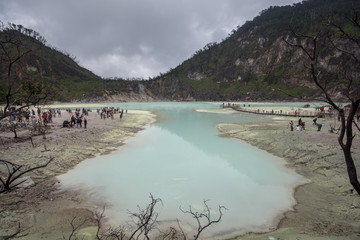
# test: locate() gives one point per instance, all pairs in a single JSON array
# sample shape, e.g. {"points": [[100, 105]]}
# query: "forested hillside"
{"points": [[31, 60], [254, 62]]}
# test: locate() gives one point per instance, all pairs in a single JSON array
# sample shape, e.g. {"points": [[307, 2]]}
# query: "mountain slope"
{"points": [[254, 62], [57, 72]]}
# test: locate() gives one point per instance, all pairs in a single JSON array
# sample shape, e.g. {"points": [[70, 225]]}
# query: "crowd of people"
{"points": [[301, 125], [109, 112], [33, 116], [78, 117], [43, 116]]}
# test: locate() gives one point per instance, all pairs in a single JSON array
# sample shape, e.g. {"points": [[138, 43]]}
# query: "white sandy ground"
{"points": [[222, 111], [327, 208], [272, 107], [45, 212]]}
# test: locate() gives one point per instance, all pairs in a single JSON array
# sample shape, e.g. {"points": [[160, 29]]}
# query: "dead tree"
{"points": [[174, 233], [336, 37], [20, 90], [13, 128], [13, 172], [74, 228], [145, 220], [109, 233], [203, 219]]}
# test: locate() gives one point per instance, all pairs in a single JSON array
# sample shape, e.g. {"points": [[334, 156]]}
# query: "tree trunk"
{"points": [[351, 168]]}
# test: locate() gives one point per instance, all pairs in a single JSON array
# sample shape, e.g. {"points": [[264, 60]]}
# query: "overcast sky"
{"points": [[132, 38]]}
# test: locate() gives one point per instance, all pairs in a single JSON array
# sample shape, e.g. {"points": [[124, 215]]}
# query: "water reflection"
{"points": [[183, 162]]}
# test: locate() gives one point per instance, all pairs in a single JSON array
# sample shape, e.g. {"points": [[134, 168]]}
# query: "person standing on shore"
{"points": [[121, 113], [85, 122], [78, 122]]}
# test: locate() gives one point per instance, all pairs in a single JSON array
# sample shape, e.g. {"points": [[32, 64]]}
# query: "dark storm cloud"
{"points": [[132, 38]]}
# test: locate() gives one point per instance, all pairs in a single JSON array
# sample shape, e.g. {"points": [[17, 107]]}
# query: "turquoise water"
{"points": [[182, 160]]}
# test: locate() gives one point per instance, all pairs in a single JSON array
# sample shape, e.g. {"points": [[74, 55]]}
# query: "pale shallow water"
{"points": [[183, 161]]}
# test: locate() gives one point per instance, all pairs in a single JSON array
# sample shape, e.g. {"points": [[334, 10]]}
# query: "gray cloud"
{"points": [[137, 38]]}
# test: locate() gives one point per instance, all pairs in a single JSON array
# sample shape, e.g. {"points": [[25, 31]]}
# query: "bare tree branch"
{"points": [[357, 126], [204, 219], [18, 230], [350, 89], [99, 216], [75, 228], [110, 233], [146, 219], [174, 233], [14, 173], [13, 49]]}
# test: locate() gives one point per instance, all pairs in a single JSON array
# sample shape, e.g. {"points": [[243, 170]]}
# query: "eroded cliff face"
{"points": [[248, 67], [137, 92], [256, 61], [253, 67]]}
